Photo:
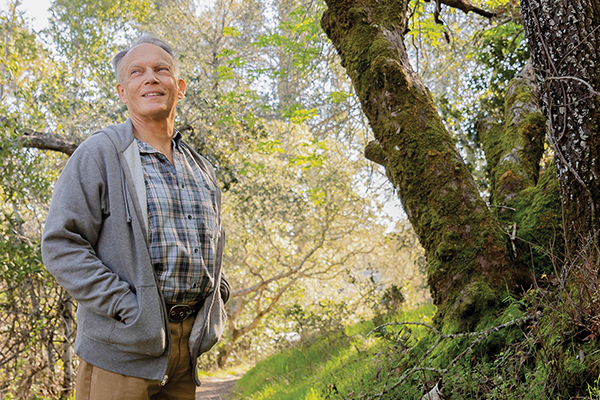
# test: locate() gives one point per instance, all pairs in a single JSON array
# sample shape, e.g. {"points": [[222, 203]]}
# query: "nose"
{"points": [[150, 77]]}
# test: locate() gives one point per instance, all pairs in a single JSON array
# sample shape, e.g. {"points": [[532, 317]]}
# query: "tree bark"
{"points": [[48, 141], [468, 262], [564, 40], [66, 308]]}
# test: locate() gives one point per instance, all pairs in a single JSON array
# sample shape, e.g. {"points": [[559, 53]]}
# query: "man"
{"points": [[134, 235]]}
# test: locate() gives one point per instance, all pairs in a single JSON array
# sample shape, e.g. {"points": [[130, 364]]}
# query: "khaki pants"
{"points": [[94, 383]]}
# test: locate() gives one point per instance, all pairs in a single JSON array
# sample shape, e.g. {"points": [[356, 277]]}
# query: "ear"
{"points": [[121, 93], [182, 86]]}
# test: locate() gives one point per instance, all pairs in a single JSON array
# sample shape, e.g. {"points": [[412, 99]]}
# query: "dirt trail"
{"points": [[213, 388]]}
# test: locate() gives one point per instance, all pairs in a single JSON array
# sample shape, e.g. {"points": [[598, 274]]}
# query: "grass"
{"points": [[237, 369], [325, 366]]}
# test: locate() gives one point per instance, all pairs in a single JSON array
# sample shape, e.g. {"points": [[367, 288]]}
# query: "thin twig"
{"points": [[431, 328], [560, 78]]}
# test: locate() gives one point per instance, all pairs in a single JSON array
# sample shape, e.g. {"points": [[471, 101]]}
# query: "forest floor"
{"points": [[214, 388]]}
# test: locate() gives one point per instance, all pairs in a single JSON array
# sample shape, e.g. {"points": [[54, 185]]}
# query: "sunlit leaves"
{"points": [[231, 31], [269, 147], [317, 196], [430, 30], [503, 53], [298, 115], [338, 97], [315, 156]]}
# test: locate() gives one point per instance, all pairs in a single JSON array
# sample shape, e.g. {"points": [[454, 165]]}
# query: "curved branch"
{"points": [[54, 141], [47, 141], [281, 276], [466, 6]]}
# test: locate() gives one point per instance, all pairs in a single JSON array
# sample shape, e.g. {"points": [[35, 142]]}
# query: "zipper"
{"points": [[126, 183]]}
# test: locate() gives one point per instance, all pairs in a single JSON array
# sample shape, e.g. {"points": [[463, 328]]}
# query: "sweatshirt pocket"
{"points": [[215, 318], [147, 333]]}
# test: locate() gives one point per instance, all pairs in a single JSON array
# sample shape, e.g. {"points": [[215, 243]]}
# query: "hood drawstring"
{"points": [[125, 190]]}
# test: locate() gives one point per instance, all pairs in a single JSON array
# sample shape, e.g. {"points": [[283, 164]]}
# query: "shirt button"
{"points": [[189, 217], [195, 250], [183, 186]]}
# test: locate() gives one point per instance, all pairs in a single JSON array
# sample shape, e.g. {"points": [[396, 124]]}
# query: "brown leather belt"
{"points": [[181, 312]]}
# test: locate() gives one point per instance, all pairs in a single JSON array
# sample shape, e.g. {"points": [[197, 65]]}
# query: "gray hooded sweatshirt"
{"points": [[95, 245]]}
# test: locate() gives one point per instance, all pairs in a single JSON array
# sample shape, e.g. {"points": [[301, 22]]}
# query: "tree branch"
{"points": [[466, 6], [281, 276], [374, 152], [47, 141]]}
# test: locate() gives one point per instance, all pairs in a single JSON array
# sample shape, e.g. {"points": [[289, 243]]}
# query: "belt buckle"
{"points": [[179, 312]]}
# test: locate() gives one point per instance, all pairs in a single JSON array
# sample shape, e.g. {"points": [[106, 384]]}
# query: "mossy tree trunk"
{"points": [[469, 261], [564, 42], [514, 149]]}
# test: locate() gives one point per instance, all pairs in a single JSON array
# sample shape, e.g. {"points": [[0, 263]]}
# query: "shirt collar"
{"points": [[146, 148]]}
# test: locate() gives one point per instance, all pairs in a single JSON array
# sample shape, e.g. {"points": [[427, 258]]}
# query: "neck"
{"points": [[158, 134]]}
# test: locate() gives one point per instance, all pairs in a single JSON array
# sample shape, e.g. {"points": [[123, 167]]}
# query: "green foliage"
{"points": [[502, 53], [594, 390], [520, 361], [553, 352]]}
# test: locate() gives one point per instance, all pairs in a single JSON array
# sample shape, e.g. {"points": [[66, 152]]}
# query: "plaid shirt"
{"points": [[182, 222]]}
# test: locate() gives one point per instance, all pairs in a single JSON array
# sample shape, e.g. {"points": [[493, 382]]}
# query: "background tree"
{"points": [[294, 218], [37, 319]]}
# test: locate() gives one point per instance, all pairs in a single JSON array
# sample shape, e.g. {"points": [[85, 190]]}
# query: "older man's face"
{"points": [[150, 88]]}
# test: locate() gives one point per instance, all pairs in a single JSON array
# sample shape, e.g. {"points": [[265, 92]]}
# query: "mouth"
{"points": [[153, 94]]}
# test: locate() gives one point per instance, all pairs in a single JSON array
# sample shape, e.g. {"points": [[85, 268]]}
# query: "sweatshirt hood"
{"points": [[121, 135]]}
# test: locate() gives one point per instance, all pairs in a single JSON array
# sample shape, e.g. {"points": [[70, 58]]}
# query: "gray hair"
{"points": [[145, 38]]}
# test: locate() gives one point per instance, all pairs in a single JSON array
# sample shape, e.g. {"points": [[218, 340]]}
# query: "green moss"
{"points": [[539, 224], [574, 367]]}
